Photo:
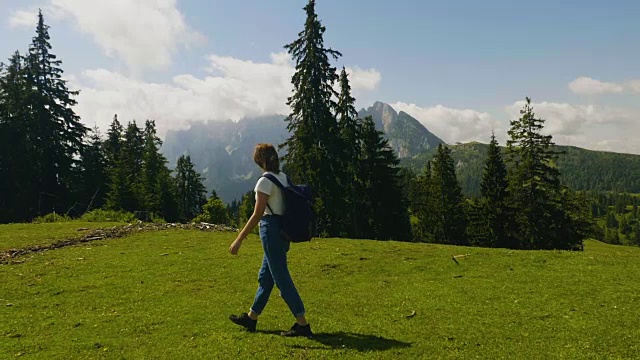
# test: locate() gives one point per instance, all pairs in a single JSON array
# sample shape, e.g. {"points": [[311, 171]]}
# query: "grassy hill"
{"points": [[168, 294], [580, 169]]}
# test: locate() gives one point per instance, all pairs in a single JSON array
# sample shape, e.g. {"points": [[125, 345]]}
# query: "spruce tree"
{"points": [[384, 211], [113, 142], [493, 190], [448, 212], [611, 220], [153, 162], [349, 129], [635, 239], [421, 204], [59, 132], [534, 185], [313, 150], [92, 172], [131, 161], [18, 143], [191, 193]]}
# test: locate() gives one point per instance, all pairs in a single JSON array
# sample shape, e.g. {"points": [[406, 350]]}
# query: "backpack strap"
{"points": [[277, 183]]}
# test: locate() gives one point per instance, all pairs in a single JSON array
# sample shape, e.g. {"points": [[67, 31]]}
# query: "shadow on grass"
{"points": [[343, 340]]}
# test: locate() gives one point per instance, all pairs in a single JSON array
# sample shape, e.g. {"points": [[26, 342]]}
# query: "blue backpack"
{"points": [[297, 220]]}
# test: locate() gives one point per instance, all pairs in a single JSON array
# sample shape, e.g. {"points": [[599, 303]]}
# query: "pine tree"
{"points": [[59, 132], [350, 129], [635, 239], [18, 157], [421, 204], [130, 164], [191, 193], [534, 185], [153, 164], [448, 211], [611, 221], [384, 211], [493, 189], [92, 172], [313, 150], [113, 143], [623, 225]]}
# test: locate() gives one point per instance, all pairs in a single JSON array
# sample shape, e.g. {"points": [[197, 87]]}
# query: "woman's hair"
{"points": [[266, 157]]}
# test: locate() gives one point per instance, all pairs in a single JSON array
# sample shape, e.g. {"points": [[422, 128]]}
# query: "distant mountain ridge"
{"points": [[580, 169], [222, 152]]}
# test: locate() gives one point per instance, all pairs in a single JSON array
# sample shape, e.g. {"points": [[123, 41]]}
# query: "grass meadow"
{"points": [[167, 295]]}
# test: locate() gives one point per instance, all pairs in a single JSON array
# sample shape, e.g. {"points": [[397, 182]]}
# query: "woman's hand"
{"points": [[235, 247]]}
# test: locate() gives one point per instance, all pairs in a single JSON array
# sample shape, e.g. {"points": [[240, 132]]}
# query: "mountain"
{"points": [[580, 169], [406, 135], [223, 151]]}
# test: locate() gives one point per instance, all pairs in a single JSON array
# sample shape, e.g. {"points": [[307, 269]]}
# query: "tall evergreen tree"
{"points": [[92, 177], [153, 164], [131, 161], [448, 211], [313, 150], [384, 211], [59, 132], [421, 204], [350, 131], [113, 142], [18, 157], [493, 190], [191, 193], [534, 186]]}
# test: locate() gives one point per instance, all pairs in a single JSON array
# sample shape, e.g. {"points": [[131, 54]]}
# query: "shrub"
{"points": [[100, 215], [51, 218]]}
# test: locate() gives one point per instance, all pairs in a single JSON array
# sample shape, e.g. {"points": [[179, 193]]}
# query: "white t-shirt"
{"points": [[276, 199]]}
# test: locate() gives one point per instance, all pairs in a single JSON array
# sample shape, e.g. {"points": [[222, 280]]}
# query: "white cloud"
{"points": [[24, 18], [363, 79], [143, 33], [588, 86], [452, 125], [233, 89], [588, 126]]}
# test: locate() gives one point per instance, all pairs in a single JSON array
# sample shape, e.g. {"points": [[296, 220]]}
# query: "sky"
{"points": [[462, 68]]}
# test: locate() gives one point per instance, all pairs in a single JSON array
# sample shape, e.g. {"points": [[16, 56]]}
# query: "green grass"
{"points": [[14, 236], [168, 294]]}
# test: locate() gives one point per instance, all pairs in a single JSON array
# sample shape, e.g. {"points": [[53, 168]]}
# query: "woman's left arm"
{"points": [[258, 210]]}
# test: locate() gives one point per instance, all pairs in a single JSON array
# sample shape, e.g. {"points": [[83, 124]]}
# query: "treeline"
{"points": [[522, 204], [51, 163]]}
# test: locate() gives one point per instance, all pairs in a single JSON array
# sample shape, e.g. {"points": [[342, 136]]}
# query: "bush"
{"points": [[51, 218], [100, 215], [213, 212]]}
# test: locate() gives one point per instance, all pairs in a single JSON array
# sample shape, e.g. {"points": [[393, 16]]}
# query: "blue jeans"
{"points": [[274, 270]]}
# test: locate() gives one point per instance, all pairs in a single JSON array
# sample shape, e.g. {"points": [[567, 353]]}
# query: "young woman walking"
{"points": [[274, 271]]}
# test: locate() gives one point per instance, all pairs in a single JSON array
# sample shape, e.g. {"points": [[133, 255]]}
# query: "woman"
{"points": [[274, 270]]}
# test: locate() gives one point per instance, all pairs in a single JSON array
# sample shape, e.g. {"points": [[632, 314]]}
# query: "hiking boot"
{"points": [[245, 321], [298, 330]]}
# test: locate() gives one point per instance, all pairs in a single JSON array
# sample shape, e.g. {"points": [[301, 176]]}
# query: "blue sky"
{"points": [[460, 67]]}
